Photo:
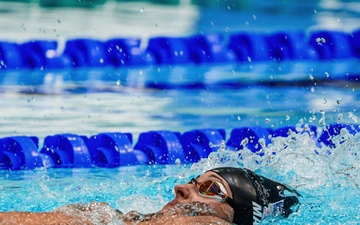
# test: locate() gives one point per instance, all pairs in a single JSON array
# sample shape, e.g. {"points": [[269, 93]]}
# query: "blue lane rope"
{"points": [[153, 147], [197, 49]]}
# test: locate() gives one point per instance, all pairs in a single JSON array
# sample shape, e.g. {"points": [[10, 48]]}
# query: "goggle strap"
{"points": [[230, 201]]}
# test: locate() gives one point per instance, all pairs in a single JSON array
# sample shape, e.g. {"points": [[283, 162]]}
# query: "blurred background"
{"points": [[129, 99], [28, 19]]}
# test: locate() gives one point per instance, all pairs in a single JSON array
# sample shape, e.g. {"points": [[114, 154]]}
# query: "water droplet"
{"points": [[313, 117], [249, 59], [320, 41], [340, 116], [222, 146], [177, 161], [244, 142], [118, 83], [338, 101], [262, 142], [327, 74], [287, 117], [322, 119], [353, 117], [142, 9], [23, 26], [267, 120], [300, 124]]}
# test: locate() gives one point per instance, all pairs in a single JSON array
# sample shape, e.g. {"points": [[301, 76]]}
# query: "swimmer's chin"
{"points": [[169, 205], [188, 208]]}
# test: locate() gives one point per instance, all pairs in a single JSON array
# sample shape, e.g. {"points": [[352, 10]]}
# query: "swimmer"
{"points": [[225, 195]]}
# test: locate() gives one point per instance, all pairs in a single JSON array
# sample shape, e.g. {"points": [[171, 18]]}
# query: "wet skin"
{"points": [[188, 207]]}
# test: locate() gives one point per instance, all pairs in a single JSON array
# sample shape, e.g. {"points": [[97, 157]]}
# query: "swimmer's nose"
{"points": [[182, 191]]}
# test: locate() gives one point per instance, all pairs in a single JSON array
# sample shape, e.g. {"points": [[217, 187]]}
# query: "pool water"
{"points": [[181, 98], [329, 184]]}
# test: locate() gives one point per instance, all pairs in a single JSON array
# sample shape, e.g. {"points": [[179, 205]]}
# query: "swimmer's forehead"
{"points": [[209, 175], [212, 176]]}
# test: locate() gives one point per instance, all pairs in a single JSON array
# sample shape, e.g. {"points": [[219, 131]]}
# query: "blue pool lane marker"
{"points": [[67, 150], [20, 152], [153, 147], [114, 150], [197, 49]]}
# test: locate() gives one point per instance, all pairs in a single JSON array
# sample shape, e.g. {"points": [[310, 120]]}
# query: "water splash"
{"points": [[328, 178]]}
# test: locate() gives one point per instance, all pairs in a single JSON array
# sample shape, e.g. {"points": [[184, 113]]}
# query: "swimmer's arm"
{"points": [[52, 218], [189, 220], [73, 214], [31, 218]]}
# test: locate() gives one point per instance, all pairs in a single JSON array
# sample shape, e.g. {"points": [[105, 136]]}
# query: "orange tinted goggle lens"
{"points": [[207, 187], [210, 187]]}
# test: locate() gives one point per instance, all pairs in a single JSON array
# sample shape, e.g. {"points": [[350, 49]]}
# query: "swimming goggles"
{"points": [[211, 189]]}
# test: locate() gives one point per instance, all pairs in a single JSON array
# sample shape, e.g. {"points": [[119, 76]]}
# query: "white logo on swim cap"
{"points": [[257, 213], [274, 209]]}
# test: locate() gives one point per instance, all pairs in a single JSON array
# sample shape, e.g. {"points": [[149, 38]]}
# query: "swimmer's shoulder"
{"points": [[48, 218], [73, 214], [189, 220]]}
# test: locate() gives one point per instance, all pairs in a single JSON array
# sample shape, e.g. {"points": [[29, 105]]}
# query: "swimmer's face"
{"points": [[189, 193]]}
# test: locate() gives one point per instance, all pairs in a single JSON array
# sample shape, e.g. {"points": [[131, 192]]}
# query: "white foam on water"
{"points": [[327, 178]]}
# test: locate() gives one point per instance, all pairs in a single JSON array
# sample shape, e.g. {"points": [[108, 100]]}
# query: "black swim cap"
{"points": [[255, 197]]}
